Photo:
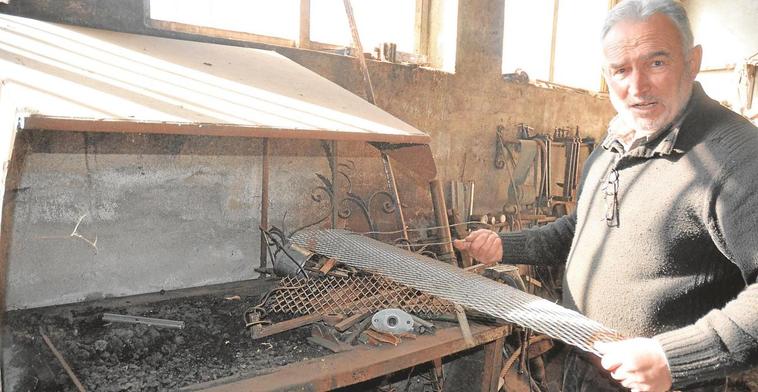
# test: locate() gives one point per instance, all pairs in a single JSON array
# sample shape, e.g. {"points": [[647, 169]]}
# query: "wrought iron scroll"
{"points": [[326, 192]]}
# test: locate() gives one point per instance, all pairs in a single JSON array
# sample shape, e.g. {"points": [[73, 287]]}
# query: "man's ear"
{"points": [[696, 58]]}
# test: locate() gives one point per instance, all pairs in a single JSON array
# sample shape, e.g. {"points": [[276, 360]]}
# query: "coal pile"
{"points": [[110, 356]]}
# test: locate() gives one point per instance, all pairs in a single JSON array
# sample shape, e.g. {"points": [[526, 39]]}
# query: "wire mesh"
{"points": [[350, 295], [457, 286]]}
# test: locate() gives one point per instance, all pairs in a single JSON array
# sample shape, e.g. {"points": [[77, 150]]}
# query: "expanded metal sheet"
{"points": [[349, 295], [458, 286]]}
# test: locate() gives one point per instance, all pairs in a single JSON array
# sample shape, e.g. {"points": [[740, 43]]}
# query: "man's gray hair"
{"points": [[639, 10]]}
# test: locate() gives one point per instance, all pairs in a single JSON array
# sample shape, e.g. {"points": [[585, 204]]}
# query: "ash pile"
{"points": [[117, 355]]}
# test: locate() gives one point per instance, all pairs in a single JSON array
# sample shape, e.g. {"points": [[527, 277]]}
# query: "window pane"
{"points": [[378, 22], [527, 35], [578, 50], [280, 18]]}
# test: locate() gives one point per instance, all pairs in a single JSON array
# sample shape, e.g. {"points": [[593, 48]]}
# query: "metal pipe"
{"points": [[392, 185], [62, 361], [333, 166], [265, 164], [126, 318], [440, 214]]}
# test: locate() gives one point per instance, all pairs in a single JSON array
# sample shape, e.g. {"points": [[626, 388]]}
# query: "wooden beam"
{"points": [[422, 28], [359, 49], [493, 362], [362, 364], [305, 25]]}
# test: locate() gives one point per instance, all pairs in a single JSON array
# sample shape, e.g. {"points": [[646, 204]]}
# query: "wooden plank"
{"points": [[305, 24], [421, 26], [359, 52], [280, 327], [361, 364], [493, 362]]}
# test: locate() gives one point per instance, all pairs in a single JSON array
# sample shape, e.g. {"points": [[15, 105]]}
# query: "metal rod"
{"points": [[460, 314], [470, 202], [392, 185], [62, 361], [359, 49], [265, 164], [333, 166], [440, 213], [125, 318]]}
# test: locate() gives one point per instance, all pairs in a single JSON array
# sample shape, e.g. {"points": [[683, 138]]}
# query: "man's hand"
{"points": [[483, 245], [639, 364]]}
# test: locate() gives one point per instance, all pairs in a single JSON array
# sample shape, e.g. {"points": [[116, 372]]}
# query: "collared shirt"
{"points": [[661, 142]]}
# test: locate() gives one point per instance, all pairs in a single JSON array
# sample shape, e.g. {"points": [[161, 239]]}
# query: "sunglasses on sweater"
{"points": [[610, 190]]}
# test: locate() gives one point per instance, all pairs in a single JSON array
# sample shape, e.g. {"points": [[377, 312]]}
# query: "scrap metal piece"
{"points": [[350, 295], [62, 361], [273, 329], [345, 324], [125, 318], [358, 330], [460, 287], [381, 337], [323, 336], [460, 313], [393, 321]]}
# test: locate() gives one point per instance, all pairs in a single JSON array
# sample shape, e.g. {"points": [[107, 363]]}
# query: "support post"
{"points": [[493, 361], [265, 168]]}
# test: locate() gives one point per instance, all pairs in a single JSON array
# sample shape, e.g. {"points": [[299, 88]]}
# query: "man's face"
{"points": [[648, 75]]}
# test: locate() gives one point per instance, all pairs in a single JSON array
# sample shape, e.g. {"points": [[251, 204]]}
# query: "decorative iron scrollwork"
{"points": [[382, 201]]}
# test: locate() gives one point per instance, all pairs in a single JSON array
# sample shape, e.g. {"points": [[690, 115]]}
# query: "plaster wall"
{"points": [[172, 212]]}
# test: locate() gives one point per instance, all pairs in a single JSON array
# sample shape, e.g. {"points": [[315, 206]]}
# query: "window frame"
{"points": [[602, 87], [421, 33]]}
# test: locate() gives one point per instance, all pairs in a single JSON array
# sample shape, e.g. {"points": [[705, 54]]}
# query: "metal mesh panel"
{"points": [[458, 286], [348, 295]]}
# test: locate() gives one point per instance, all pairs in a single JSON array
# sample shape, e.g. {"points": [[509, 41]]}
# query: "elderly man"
{"points": [[663, 245]]}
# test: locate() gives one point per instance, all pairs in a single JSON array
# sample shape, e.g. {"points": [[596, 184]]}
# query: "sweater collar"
{"points": [[661, 143]]}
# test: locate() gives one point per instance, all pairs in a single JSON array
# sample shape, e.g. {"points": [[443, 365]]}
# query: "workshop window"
{"points": [[309, 24], [271, 22], [555, 41]]}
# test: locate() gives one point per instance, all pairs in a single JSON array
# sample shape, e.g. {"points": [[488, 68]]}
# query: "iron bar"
{"points": [[392, 185], [265, 164], [125, 318], [62, 361], [440, 213]]}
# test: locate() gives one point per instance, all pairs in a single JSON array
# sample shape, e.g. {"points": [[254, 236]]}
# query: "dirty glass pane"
{"points": [[280, 18], [378, 22], [528, 30], [577, 50]]}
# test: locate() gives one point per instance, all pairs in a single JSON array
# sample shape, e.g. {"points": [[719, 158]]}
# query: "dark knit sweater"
{"points": [[681, 265]]}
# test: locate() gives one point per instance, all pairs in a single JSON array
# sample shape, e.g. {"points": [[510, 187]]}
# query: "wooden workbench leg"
{"points": [[493, 361]]}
